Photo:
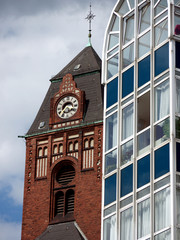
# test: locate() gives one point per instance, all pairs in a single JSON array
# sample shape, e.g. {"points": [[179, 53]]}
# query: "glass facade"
{"points": [[141, 167]]}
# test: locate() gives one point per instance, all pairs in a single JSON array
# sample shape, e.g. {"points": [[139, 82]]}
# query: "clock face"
{"points": [[67, 107]]}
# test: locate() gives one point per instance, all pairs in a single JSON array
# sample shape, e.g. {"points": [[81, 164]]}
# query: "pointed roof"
{"points": [[61, 231], [86, 71], [85, 62]]}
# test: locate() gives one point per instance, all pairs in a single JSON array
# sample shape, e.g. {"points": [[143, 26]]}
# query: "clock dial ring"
{"points": [[67, 107]]}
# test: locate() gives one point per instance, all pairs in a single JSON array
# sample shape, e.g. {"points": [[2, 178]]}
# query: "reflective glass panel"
{"points": [[110, 228], [126, 201], [111, 131], [126, 231], [162, 209], [112, 52], [144, 71], [112, 66], [143, 142], [161, 161], [143, 113], [127, 121], [144, 18], [112, 92], [110, 210], [162, 183], [161, 17], [128, 55], [177, 55], [127, 82], [178, 205], [177, 2], [124, 8], [160, 6], [110, 190], [113, 40], [143, 192], [161, 59], [177, 127], [126, 180], [161, 132], [110, 161], [131, 2], [115, 26], [164, 236], [143, 218], [178, 157], [143, 171], [162, 100], [177, 25], [144, 44], [127, 152], [128, 29], [161, 32]]}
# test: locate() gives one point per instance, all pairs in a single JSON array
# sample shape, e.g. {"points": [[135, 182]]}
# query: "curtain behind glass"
{"points": [[143, 218], [161, 100], [127, 224], [127, 130], [162, 209], [110, 228]]}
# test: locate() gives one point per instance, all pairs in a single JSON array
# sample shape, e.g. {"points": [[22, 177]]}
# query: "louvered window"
{"points": [[59, 203], [66, 175], [70, 201]]}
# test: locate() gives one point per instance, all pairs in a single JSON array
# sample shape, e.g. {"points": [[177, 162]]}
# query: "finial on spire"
{"points": [[90, 17]]}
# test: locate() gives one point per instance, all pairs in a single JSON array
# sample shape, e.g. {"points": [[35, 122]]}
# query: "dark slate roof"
{"points": [[61, 231], [87, 78]]}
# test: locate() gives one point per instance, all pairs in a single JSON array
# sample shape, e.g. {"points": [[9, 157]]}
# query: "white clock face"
{"points": [[67, 107]]}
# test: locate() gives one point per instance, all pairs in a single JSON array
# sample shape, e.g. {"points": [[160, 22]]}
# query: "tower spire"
{"points": [[90, 17]]}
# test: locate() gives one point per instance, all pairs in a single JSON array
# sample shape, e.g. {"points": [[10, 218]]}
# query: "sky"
{"points": [[37, 39]]}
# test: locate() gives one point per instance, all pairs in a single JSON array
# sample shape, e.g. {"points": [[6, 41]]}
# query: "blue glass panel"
{"points": [[143, 171], [126, 180], [128, 82], [178, 157], [110, 190], [144, 71], [112, 92], [162, 161], [177, 54], [161, 59]]}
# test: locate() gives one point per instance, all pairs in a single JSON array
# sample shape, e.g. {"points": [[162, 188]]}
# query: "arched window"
{"points": [[45, 151], [55, 149], [60, 148], [59, 208], [65, 175], [70, 201], [70, 147], [91, 143], [40, 152], [86, 143], [76, 146]]}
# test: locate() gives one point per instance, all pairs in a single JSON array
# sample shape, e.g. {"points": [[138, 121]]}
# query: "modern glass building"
{"points": [[141, 74]]}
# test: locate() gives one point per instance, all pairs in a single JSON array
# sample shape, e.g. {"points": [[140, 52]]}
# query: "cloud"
{"points": [[10, 230]]}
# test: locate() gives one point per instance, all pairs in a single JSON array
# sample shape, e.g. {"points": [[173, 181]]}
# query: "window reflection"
{"points": [[124, 8], [144, 18], [128, 55], [161, 32], [160, 5], [128, 29], [127, 152], [162, 100], [111, 131], [144, 44], [110, 161], [143, 142], [161, 59], [112, 66], [127, 121], [113, 40], [161, 132], [110, 190]]}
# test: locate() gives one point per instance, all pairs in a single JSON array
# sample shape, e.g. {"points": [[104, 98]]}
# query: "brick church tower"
{"points": [[62, 189]]}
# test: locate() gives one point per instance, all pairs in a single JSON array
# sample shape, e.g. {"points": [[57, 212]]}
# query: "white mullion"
{"points": [[152, 119]]}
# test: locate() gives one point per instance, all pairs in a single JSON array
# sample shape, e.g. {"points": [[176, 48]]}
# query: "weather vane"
{"points": [[90, 17]]}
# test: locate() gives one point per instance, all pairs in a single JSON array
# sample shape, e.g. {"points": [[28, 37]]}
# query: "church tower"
{"points": [[62, 189]]}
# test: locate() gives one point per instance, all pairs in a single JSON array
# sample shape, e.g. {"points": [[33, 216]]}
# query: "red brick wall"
{"points": [[38, 194]]}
